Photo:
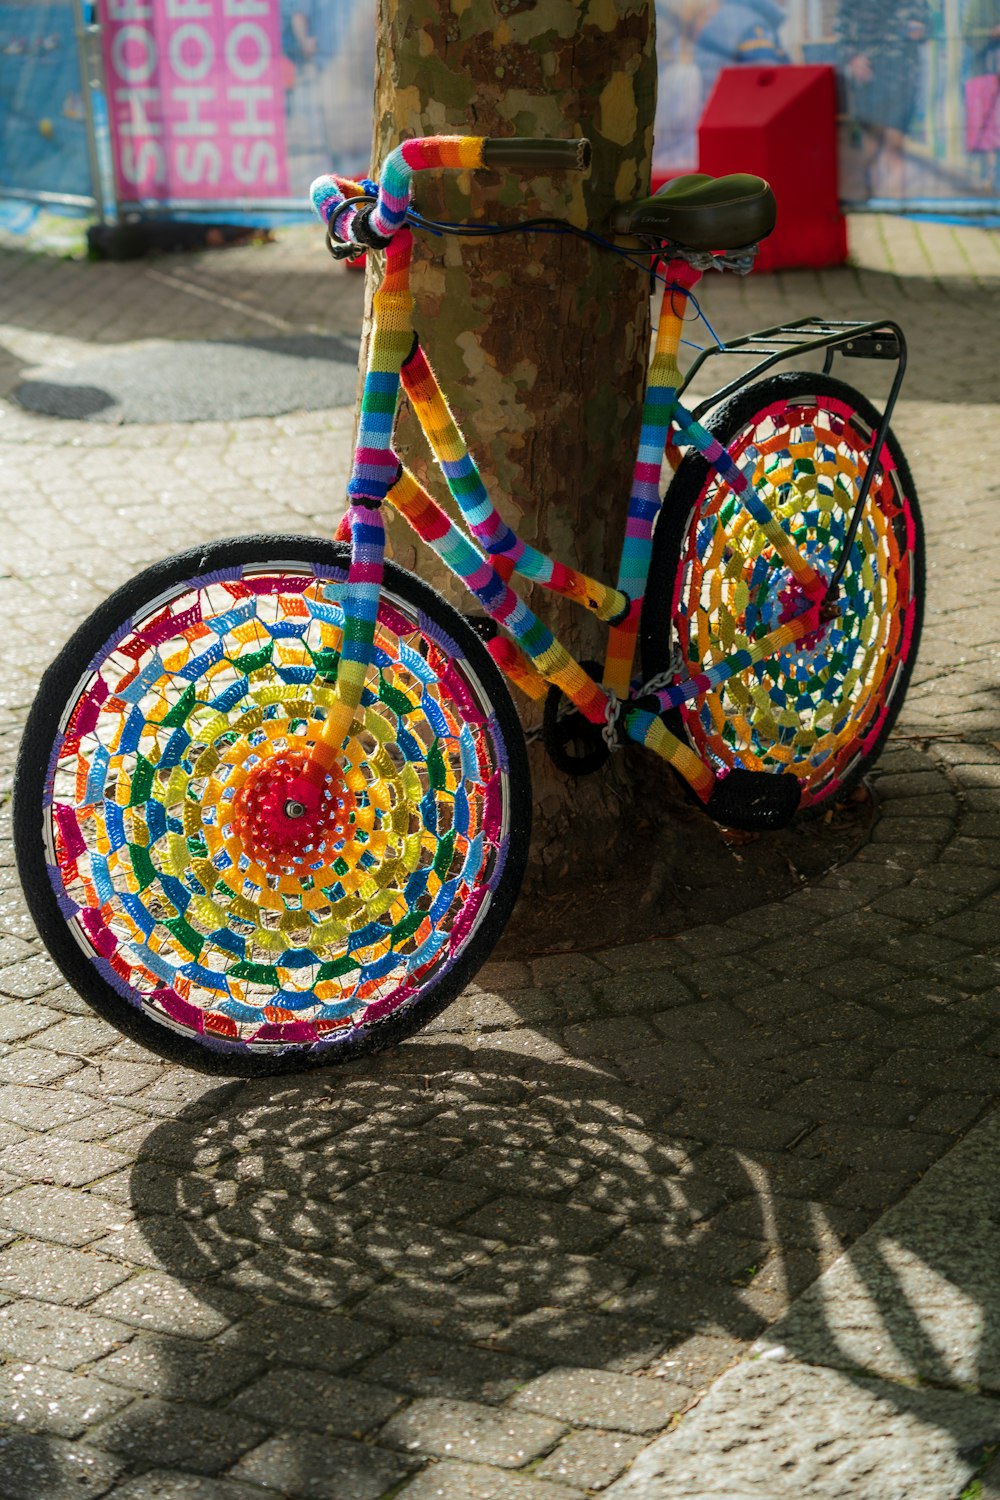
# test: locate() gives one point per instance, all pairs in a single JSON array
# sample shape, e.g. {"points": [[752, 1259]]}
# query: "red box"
{"points": [[781, 124]]}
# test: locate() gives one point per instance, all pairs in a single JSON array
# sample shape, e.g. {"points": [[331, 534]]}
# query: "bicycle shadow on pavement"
{"points": [[347, 1253]]}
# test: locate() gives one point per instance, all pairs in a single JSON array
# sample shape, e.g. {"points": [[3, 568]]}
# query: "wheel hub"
{"points": [[283, 819], [795, 601]]}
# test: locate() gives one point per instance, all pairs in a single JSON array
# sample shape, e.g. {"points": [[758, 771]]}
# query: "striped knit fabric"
{"points": [[547, 656], [658, 412], [480, 514]]}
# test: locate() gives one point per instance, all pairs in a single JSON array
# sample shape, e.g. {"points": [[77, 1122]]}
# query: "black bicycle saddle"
{"points": [[700, 212]]}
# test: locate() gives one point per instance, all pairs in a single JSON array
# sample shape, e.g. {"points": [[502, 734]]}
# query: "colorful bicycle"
{"points": [[272, 806]]}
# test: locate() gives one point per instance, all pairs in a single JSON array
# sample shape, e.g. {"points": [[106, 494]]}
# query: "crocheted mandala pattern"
{"points": [[171, 858], [814, 707]]}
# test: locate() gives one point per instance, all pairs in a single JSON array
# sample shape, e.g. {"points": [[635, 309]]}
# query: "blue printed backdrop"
{"points": [[919, 86], [43, 135], [920, 89]]}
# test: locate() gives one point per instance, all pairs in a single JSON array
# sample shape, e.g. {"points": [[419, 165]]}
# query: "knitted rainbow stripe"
{"points": [[361, 601], [659, 409], [516, 666], [454, 152], [649, 730], [481, 515], [549, 657], [328, 193], [375, 464]]}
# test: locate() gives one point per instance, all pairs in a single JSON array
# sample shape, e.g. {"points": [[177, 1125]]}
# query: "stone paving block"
{"points": [[697, 1360], [522, 1278], [57, 1274], [105, 1124], [14, 950], [457, 1481], [677, 1201], [33, 1466], [740, 1125], [40, 1109], [666, 1309], [69, 1163], [397, 1247], [153, 1188], [34, 1065], [157, 1366], [330, 1404], [161, 1484], [847, 1099], [516, 1170], [66, 1216], [323, 1341], [557, 1226], [871, 1149], [38, 1332], [443, 1428], [438, 1367], [42, 1398], [291, 1276], [597, 1398], [424, 1305], [175, 1434], [110, 1077], [554, 1336], [18, 1020], [589, 1459], [34, 976], [155, 1241], [80, 1036], [157, 1302], [316, 1468], [951, 1114]]}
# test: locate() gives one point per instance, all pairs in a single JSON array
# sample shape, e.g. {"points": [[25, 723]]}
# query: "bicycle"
{"points": [[272, 804]]}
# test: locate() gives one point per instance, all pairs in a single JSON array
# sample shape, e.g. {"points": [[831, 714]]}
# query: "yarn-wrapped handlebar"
{"points": [[378, 223]]}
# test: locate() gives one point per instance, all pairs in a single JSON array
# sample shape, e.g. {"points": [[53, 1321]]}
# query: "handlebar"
{"points": [[366, 224]]}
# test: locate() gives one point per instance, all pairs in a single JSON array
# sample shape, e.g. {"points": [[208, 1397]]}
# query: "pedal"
{"points": [[754, 800]]}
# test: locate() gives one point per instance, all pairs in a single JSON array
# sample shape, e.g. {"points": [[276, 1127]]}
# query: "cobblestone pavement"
{"points": [[496, 1263]]}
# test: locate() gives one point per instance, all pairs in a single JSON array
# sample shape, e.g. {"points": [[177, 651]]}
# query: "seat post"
{"points": [[681, 276]]}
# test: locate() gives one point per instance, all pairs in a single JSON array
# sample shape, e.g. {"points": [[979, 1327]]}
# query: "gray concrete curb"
{"points": [[880, 1382]]}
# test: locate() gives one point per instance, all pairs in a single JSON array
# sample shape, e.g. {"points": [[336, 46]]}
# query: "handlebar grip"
{"points": [[524, 154]]}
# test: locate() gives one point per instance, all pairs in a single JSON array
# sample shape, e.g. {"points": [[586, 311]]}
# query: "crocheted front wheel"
{"points": [[821, 710], [177, 878]]}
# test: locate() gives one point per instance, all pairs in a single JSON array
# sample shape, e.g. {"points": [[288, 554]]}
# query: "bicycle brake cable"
{"points": [[560, 227]]}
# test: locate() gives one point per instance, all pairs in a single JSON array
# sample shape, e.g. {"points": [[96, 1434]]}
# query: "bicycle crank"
{"points": [[575, 745]]}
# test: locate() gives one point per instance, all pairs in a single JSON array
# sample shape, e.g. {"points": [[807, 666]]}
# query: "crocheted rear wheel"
{"points": [[176, 881], [822, 709]]}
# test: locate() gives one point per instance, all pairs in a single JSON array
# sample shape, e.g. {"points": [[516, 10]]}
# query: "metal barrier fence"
{"points": [[228, 108], [45, 136]]}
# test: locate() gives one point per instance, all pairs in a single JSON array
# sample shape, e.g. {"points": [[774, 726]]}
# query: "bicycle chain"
{"points": [[615, 707]]}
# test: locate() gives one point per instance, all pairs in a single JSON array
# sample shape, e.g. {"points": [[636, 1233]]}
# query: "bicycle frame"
{"points": [[486, 559]]}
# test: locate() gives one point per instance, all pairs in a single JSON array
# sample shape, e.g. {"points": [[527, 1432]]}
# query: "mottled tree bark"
{"points": [[540, 342]]}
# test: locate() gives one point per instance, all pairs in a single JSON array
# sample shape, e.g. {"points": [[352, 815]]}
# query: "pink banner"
{"points": [[196, 98]]}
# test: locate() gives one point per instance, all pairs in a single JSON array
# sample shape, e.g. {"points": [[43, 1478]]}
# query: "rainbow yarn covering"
{"points": [[170, 858], [812, 706]]}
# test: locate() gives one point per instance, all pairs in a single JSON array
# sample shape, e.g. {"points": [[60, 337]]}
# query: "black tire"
{"points": [[449, 741], [728, 729]]}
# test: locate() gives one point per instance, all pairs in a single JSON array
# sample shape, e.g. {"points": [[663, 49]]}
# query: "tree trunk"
{"points": [[539, 342]]}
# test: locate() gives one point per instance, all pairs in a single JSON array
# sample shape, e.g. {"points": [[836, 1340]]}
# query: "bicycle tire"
{"points": [[141, 811], [821, 710]]}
